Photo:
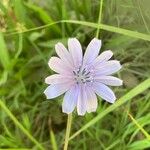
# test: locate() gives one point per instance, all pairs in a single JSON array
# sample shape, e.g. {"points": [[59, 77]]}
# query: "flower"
{"points": [[82, 77]]}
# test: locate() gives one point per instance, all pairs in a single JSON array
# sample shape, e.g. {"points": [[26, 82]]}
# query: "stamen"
{"points": [[74, 72], [87, 73], [84, 71], [82, 75]]}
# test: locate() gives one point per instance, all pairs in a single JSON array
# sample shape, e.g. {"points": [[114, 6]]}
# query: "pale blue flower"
{"points": [[82, 77]]}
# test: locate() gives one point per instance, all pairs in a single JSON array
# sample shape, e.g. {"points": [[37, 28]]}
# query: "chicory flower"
{"points": [[80, 77]]}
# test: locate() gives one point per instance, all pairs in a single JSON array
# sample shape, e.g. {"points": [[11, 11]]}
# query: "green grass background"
{"points": [[29, 29]]}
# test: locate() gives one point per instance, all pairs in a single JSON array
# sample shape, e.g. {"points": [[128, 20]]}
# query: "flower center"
{"points": [[82, 75]]}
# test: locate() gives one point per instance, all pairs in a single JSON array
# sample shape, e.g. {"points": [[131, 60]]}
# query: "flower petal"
{"points": [[63, 53], [57, 65], [104, 92], [76, 51], [70, 100], [92, 51], [56, 90], [81, 104], [103, 57], [108, 68], [91, 100], [109, 80], [57, 79]]}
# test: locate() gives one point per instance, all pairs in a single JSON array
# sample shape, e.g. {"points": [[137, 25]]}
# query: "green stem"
{"points": [[99, 17], [68, 131], [17, 123]]}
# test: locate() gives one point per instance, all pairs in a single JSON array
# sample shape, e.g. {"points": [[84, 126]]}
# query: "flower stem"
{"points": [[99, 17], [68, 128]]}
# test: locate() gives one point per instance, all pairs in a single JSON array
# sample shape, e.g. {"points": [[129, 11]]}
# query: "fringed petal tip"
{"points": [[75, 50], [92, 110], [121, 82]]}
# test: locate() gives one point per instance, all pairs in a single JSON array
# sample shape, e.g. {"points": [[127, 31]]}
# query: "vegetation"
{"points": [[29, 31]]}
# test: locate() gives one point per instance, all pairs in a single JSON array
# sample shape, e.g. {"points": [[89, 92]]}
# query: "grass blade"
{"points": [[137, 90], [43, 15], [138, 145], [139, 126], [20, 11], [4, 56], [18, 124], [99, 17], [20, 45], [53, 140], [125, 32]]}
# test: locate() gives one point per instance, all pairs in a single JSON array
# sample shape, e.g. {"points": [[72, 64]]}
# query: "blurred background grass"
{"points": [[23, 68]]}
